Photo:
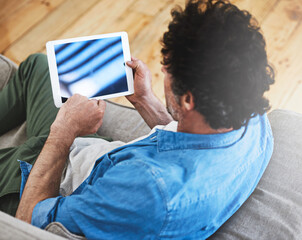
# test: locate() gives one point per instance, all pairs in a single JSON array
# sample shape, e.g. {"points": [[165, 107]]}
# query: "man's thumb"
{"points": [[130, 64]]}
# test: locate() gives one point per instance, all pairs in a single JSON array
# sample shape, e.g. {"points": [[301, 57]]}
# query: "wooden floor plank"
{"points": [[260, 9], [99, 19], [283, 31], [144, 6], [289, 72], [26, 25], [294, 101], [49, 28], [125, 21], [10, 7], [23, 19], [281, 24], [132, 22]]}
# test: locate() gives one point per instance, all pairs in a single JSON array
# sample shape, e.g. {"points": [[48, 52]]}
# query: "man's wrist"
{"points": [[65, 136], [144, 100]]}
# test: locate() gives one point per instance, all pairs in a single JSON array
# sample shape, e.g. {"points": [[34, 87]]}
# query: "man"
{"points": [[185, 179]]}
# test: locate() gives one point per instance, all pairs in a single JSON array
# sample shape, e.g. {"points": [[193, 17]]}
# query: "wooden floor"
{"points": [[26, 25]]}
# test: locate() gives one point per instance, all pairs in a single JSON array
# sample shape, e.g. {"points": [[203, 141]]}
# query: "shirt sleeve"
{"points": [[126, 203]]}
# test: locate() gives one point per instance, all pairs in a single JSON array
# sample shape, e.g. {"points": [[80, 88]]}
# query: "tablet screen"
{"points": [[91, 67]]}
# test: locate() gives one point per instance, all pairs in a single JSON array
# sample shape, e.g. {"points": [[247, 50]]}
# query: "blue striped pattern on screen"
{"points": [[92, 67]]}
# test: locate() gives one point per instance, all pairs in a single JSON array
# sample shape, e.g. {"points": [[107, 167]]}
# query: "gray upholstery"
{"points": [[58, 229], [14, 229], [122, 123], [273, 211], [7, 69]]}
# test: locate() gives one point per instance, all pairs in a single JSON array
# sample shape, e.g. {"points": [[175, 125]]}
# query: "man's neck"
{"points": [[195, 123]]}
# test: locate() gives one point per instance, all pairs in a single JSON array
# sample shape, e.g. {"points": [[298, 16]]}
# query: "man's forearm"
{"points": [[79, 116], [44, 179], [153, 111]]}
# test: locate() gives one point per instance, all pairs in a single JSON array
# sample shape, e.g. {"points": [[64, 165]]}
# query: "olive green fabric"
{"points": [[27, 96]]}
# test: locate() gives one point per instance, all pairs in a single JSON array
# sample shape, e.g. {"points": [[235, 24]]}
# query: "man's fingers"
{"points": [[101, 103], [94, 101]]}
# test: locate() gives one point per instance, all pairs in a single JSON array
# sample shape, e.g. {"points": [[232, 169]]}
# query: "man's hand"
{"points": [[142, 81], [147, 104], [79, 116]]}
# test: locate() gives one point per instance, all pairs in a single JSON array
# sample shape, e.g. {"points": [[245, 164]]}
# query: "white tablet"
{"points": [[92, 66]]}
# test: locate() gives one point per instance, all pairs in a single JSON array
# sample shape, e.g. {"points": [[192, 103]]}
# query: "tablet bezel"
{"points": [[53, 71]]}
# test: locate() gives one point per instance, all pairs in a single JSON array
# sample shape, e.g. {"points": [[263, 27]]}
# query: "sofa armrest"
{"points": [[7, 69], [13, 228], [122, 123]]}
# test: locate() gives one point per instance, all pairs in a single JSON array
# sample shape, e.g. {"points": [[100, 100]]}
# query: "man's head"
{"points": [[215, 53]]}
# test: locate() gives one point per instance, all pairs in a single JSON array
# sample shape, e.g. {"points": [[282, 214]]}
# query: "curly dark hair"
{"points": [[216, 51]]}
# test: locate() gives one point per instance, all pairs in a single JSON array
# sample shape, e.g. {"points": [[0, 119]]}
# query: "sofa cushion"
{"points": [[274, 210], [122, 123], [7, 69], [58, 229]]}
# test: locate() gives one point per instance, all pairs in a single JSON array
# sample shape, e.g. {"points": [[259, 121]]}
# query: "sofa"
{"points": [[273, 211]]}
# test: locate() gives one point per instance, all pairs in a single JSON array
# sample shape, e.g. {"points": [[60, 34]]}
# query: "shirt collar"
{"points": [[169, 140]]}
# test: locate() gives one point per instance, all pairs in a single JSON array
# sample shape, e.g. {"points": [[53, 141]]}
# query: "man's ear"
{"points": [[187, 101]]}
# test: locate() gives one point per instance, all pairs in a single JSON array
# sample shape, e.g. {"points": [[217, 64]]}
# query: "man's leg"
{"points": [[10, 172], [27, 96]]}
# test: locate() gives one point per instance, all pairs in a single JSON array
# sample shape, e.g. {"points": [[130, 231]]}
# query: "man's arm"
{"points": [[147, 104], [77, 117]]}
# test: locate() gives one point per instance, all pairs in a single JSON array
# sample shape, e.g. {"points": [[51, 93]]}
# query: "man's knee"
{"points": [[37, 56], [35, 66], [37, 60]]}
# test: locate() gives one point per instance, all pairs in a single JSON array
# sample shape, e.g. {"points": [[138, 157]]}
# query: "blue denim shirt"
{"points": [[168, 185]]}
